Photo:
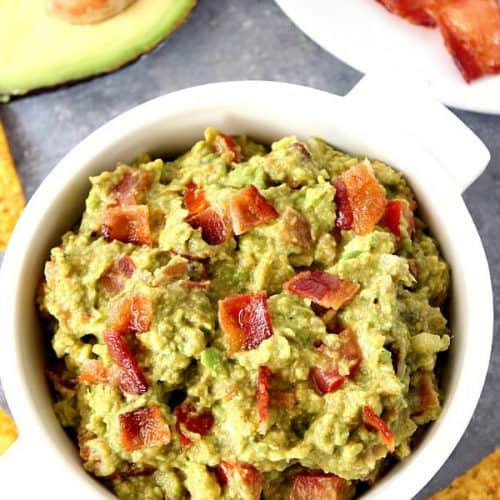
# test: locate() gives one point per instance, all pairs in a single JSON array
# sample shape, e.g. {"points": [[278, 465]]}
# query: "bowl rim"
{"points": [[14, 263]]}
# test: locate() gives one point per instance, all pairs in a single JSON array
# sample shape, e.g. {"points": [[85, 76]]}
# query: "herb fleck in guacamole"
{"points": [[246, 323]]}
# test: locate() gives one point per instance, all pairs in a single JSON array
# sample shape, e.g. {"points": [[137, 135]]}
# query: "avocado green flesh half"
{"points": [[39, 50]]}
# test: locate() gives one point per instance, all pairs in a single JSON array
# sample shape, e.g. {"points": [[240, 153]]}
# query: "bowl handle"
{"points": [[412, 110]]}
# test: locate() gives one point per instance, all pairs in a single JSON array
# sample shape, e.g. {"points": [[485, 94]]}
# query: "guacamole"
{"points": [[246, 322]]}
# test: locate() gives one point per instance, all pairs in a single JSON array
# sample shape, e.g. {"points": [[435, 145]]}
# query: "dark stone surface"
{"points": [[238, 40]]}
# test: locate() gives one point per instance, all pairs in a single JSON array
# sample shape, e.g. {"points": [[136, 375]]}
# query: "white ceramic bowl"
{"points": [[423, 139]]}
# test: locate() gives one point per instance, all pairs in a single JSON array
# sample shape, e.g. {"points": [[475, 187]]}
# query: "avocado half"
{"points": [[39, 50]]}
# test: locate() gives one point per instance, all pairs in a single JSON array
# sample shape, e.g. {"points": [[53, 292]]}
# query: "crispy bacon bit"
{"points": [[93, 372], [412, 266], [250, 209], [428, 395], [225, 145], [199, 423], [325, 381], [245, 321], [420, 12], [344, 210], [317, 486], [471, 30], [371, 419], [296, 229], [360, 200], [127, 224], [131, 314], [115, 278], [194, 199], [300, 146], [214, 229], [131, 379], [144, 428], [263, 397], [197, 285], [324, 289], [232, 474], [397, 213], [131, 188], [338, 365]]}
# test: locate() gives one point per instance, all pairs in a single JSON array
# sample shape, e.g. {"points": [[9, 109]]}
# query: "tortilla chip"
{"points": [[482, 482], [11, 193], [8, 431]]}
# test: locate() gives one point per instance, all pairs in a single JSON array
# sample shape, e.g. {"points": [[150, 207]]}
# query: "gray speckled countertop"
{"points": [[238, 40]]}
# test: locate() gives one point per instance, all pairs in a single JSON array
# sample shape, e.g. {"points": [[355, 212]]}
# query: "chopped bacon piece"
{"points": [[197, 285], [428, 395], [225, 145], [412, 266], [194, 199], [199, 423], [245, 321], [214, 229], [132, 379], [250, 209], [233, 474], [302, 148], [371, 419], [318, 486], [93, 372], [131, 188], [131, 314], [420, 12], [127, 224], [114, 279], [471, 30], [323, 288], [360, 199], [344, 210], [263, 397], [144, 428], [325, 381], [338, 365], [296, 229], [398, 212]]}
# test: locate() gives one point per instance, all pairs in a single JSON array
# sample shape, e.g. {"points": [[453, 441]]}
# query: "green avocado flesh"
{"points": [[39, 50], [396, 317]]}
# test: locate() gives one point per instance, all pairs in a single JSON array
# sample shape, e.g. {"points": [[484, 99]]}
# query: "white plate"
{"points": [[366, 36]]}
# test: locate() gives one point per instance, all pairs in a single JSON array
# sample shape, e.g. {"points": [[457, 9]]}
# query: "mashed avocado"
{"points": [[243, 322]]}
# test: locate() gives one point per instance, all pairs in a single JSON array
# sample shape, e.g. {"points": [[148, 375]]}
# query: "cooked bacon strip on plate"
{"points": [[471, 30], [323, 288], [128, 224], [144, 428], [420, 12], [245, 321]]}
